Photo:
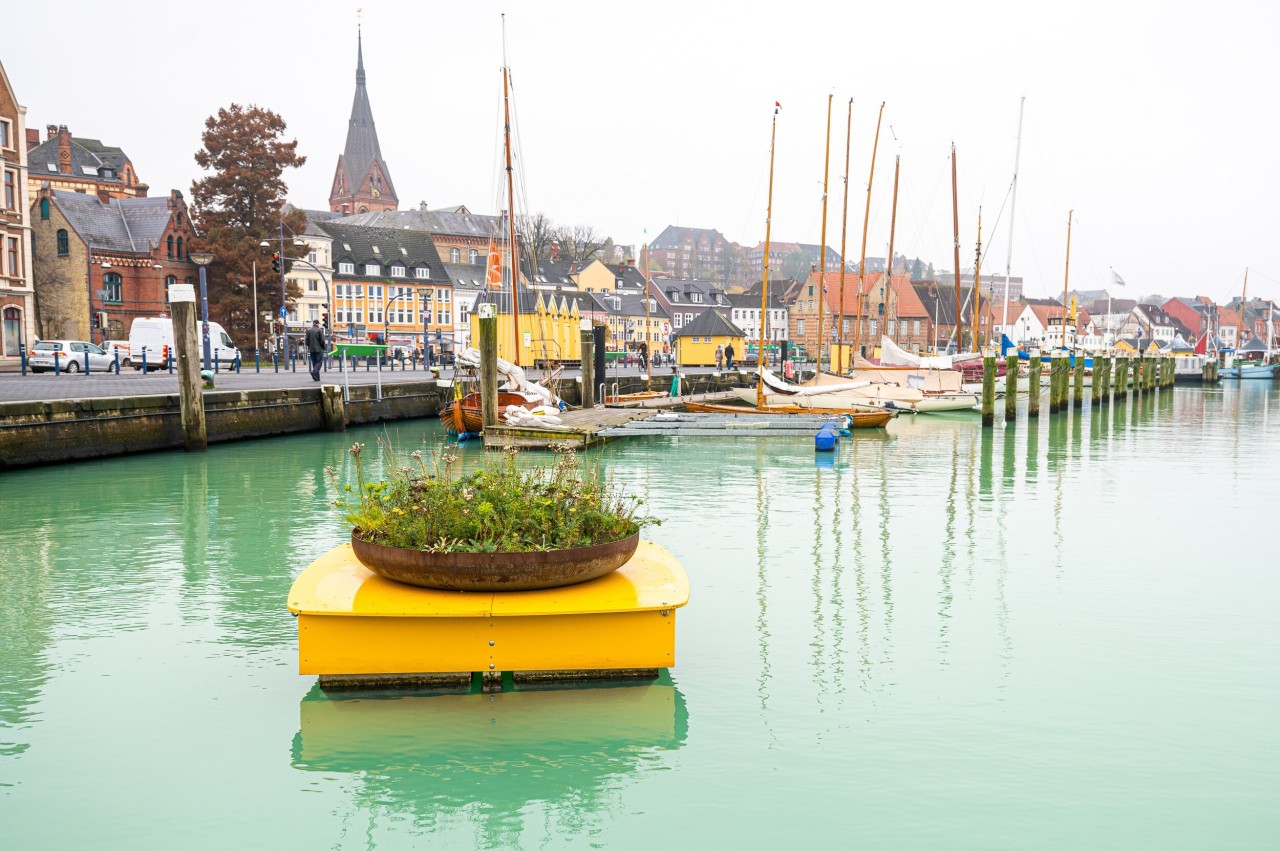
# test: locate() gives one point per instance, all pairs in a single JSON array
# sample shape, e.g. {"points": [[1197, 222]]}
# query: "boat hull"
{"points": [[1263, 371], [465, 415], [860, 418]]}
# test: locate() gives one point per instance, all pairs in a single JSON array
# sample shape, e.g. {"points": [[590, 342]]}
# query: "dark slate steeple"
{"points": [[362, 182]]}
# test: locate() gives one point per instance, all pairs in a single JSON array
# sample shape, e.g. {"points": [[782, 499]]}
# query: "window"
{"points": [[915, 326], [375, 292], [112, 283], [313, 312], [799, 326], [873, 327], [14, 270], [12, 330], [311, 257], [169, 281], [397, 271], [373, 268], [422, 272], [444, 296], [346, 268], [473, 256], [179, 248], [454, 255], [44, 208], [169, 242], [313, 286], [6, 134], [10, 190], [844, 327], [64, 247], [442, 316]]}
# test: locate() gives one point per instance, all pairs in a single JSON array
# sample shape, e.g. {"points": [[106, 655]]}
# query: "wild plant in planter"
{"points": [[504, 514]]}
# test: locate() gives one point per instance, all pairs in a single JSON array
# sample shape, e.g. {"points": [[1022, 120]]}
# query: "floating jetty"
{"points": [[719, 425], [356, 629]]}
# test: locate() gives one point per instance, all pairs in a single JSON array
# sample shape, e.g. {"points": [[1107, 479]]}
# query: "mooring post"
{"points": [[1033, 384], [1095, 382], [182, 300], [1078, 401], [1055, 381], [588, 367], [988, 388], [1138, 377], [1011, 387], [489, 365], [1108, 367], [1122, 376]]}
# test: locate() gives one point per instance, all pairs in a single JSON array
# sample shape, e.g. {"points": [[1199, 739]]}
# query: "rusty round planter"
{"points": [[494, 571]]}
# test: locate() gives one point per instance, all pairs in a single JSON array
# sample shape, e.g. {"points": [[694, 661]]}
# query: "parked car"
{"points": [[112, 347], [69, 356]]}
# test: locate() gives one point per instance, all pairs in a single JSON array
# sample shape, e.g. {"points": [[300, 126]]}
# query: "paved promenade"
{"points": [[15, 387]]}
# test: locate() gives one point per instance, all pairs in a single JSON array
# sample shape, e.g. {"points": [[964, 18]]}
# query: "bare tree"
{"points": [[579, 242], [537, 232]]}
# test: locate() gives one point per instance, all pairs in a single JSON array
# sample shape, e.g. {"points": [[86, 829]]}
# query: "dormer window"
{"points": [[422, 272], [346, 268], [397, 271], [373, 268]]}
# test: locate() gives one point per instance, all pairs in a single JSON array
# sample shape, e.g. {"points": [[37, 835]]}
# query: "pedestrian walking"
{"points": [[728, 356], [315, 348], [644, 355], [719, 357]]}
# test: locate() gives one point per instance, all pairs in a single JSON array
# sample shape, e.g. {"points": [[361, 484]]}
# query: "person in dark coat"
{"points": [[728, 356], [315, 348]]}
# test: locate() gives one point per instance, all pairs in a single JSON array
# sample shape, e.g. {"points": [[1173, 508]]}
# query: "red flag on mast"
{"points": [[493, 275]]}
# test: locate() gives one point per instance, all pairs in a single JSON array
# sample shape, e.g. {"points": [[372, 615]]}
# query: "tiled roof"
{"points": [[385, 246], [122, 224], [746, 301], [939, 300], [672, 237], [436, 222], [87, 156], [710, 324], [465, 276]]}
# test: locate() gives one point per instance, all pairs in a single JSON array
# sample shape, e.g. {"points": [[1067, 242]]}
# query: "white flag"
{"points": [[1119, 281]]}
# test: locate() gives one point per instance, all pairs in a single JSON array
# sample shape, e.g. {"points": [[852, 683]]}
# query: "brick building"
{"points": [[362, 181], [100, 262], [66, 162], [879, 306], [16, 314], [691, 253]]}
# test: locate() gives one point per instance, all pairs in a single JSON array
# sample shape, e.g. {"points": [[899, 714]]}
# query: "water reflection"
{"points": [[483, 758]]}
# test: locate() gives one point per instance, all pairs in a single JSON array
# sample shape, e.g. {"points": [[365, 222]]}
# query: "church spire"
{"points": [[362, 182]]}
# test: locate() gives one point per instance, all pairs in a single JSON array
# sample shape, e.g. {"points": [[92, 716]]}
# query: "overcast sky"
{"points": [[1155, 122]]}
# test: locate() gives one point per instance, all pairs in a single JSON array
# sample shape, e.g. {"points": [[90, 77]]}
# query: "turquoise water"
{"points": [[1056, 637]]}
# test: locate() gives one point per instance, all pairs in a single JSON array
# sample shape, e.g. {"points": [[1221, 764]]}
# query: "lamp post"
{"points": [[284, 300], [88, 272], [424, 294], [203, 259]]}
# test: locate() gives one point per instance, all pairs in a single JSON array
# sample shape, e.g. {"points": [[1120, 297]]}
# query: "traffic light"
{"points": [[275, 263], [324, 320]]}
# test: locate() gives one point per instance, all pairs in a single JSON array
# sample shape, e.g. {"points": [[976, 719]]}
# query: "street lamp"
{"points": [[203, 259], [423, 295], [284, 300]]}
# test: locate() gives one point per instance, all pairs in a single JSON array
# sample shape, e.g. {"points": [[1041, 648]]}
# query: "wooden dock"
{"points": [[581, 429]]}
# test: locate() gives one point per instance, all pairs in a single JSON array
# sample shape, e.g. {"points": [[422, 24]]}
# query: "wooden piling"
{"points": [[588, 369], [1108, 369], [1058, 383], [988, 388], [186, 345], [1122, 376], [1078, 394], [1095, 383], [1033, 384], [332, 408], [1139, 364], [489, 370], [1011, 388]]}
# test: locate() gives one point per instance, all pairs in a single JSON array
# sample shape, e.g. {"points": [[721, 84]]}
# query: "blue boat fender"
{"points": [[826, 438]]}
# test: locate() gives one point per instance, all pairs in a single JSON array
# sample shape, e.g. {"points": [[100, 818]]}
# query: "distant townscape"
{"points": [[87, 246]]}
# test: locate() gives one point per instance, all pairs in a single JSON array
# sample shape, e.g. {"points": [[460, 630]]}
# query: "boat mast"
{"points": [[955, 219], [764, 282], [822, 249], [648, 328], [866, 216], [1013, 208], [1066, 275], [844, 231], [1240, 334], [893, 224], [977, 280], [511, 220]]}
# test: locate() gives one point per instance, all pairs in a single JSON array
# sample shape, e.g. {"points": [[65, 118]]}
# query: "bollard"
{"points": [[144, 360], [1011, 387], [86, 361], [216, 366], [1078, 394], [22, 356], [988, 388], [1033, 384], [588, 346], [257, 365], [117, 361]]}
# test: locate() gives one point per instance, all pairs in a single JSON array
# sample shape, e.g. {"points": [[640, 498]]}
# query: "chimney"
{"points": [[422, 206], [555, 250], [51, 132], [104, 196], [64, 149], [33, 138]]}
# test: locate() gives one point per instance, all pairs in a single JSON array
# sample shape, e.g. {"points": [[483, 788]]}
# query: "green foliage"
{"points": [[499, 507]]}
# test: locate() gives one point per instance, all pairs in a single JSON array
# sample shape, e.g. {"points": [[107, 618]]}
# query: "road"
{"points": [[45, 386]]}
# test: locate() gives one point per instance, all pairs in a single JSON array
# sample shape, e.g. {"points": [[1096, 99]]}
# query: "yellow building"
{"points": [[595, 277], [696, 342], [1129, 345], [550, 328]]}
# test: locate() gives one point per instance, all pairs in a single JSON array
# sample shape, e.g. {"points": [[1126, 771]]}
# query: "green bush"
{"points": [[496, 508]]}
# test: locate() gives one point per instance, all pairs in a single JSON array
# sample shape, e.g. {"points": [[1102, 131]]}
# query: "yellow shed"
{"points": [[696, 342], [547, 328]]}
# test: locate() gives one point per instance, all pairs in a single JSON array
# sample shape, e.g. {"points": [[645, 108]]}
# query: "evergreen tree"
{"points": [[240, 204]]}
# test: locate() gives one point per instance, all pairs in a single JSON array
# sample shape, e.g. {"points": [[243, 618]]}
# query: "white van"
{"points": [[156, 334]]}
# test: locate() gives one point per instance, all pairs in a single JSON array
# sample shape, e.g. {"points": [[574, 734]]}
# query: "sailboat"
{"points": [[1241, 368], [463, 413]]}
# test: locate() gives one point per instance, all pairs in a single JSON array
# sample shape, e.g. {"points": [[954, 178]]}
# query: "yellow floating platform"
{"points": [[352, 623]]}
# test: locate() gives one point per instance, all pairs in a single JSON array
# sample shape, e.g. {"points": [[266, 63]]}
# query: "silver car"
{"points": [[70, 356]]}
